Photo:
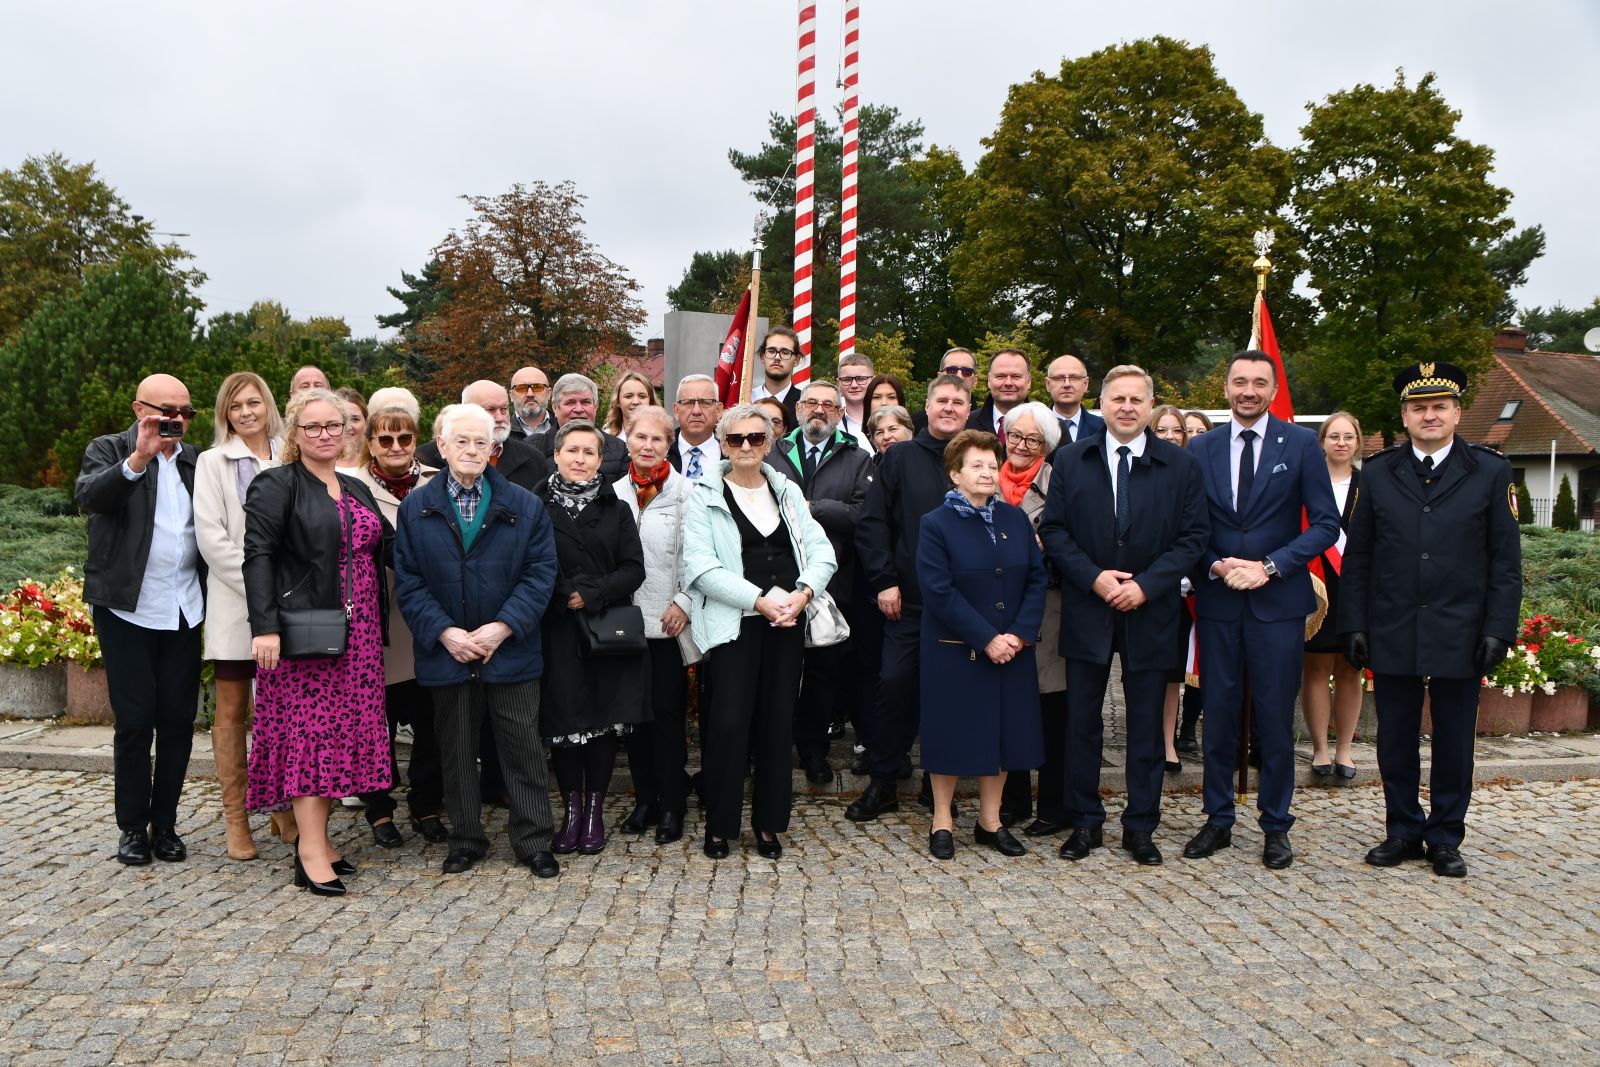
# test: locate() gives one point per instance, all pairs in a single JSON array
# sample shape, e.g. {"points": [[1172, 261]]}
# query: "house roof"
{"points": [[1560, 401]]}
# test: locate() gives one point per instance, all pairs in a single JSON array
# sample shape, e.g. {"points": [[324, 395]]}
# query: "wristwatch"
{"points": [[1270, 567]]}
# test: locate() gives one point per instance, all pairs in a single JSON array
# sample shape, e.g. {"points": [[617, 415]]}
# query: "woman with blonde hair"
{"points": [[632, 392], [1340, 435]]}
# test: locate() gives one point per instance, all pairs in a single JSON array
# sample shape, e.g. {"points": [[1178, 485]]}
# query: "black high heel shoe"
{"points": [[302, 880]]}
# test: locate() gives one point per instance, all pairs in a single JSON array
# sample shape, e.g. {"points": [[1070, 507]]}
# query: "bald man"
{"points": [[520, 462], [308, 377], [145, 582]]}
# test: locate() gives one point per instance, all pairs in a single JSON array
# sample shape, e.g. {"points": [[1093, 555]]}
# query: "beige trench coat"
{"points": [[219, 534]]}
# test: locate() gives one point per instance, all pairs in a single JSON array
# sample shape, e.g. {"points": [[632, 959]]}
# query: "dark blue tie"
{"points": [[1124, 468], [1247, 469]]}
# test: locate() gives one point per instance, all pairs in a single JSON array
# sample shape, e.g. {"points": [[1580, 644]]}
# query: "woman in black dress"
{"points": [[1340, 435]]}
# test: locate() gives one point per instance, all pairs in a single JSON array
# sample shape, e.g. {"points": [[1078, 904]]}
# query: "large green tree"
{"points": [[57, 220], [1115, 206], [1397, 214], [709, 281]]}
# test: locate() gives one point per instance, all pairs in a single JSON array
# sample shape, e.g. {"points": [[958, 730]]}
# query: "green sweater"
{"points": [[469, 530]]}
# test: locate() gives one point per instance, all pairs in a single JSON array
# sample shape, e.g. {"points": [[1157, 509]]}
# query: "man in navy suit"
{"points": [[1124, 523], [1252, 596], [1068, 380]]}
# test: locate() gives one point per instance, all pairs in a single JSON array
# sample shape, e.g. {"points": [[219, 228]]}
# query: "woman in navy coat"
{"points": [[983, 588]]}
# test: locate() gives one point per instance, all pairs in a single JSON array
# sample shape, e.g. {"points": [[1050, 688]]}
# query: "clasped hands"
{"points": [[786, 612], [1241, 573], [465, 646], [1003, 648], [1118, 589]]}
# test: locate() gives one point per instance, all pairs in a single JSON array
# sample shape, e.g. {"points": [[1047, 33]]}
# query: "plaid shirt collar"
{"points": [[466, 497]]}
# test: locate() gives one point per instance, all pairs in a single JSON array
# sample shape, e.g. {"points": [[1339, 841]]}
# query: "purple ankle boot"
{"points": [[567, 840], [592, 838]]}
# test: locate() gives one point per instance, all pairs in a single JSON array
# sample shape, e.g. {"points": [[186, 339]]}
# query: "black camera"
{"points": [[169, 428]]}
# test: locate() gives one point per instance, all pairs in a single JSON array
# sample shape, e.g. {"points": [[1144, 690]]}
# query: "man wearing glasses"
{"points": [[779, 353], [530, 392], [145, 580], [695, 450], [1068, 380], [855, 374]]}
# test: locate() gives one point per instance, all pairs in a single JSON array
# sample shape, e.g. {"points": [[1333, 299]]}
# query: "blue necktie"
{"points": [[1124, 468], [695, 470]]}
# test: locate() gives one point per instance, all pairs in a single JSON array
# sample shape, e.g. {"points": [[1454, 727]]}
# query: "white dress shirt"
{"points": [[710, 452], [1076, 422], [1236, 449], [853, 427], [1113, 461], [759, 390], [171, 571], [1438, 457]]}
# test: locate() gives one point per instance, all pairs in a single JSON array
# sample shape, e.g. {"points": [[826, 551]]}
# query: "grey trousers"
{"points": [[458, 717]]}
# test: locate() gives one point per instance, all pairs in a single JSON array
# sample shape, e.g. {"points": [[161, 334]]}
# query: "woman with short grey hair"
{"points": [[889, 425]]}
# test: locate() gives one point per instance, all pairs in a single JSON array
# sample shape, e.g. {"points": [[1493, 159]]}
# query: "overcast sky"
{"points": [[314, 151]]}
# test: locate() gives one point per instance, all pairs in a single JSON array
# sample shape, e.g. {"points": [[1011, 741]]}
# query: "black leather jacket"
{"points": [[292, 534], [122, 518]]}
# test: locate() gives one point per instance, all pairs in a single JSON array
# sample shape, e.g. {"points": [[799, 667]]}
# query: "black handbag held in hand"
{"points": [[312, 633], [615, 631]]}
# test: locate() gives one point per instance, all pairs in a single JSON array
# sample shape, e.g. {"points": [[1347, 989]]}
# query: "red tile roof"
{"points": [[1560, 394]]}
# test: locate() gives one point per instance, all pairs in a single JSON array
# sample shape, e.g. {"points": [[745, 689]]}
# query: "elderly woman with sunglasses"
{"points": [[753, 559]]}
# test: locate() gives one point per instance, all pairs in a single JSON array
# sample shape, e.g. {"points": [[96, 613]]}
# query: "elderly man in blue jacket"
{"points": [[475, 564]]}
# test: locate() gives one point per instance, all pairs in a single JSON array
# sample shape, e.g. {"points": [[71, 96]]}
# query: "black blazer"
{"points": [[1167, 534], [520, 463]]}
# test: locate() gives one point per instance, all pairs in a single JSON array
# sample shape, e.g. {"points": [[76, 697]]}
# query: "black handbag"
{"points": [[313, 633], [615, 631]]}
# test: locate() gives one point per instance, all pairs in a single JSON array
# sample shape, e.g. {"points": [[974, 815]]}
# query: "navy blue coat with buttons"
{"points": [[979, 717], [507, 574]]}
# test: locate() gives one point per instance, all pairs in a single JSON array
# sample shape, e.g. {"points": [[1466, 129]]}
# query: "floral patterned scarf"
{"points": [[961, 506]]}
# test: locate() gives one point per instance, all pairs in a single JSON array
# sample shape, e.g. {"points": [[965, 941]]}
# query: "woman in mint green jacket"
{"points": [[753, 559]]}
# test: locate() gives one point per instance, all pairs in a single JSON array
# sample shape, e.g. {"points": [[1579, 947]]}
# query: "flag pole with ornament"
{"points": [[805, 182]]}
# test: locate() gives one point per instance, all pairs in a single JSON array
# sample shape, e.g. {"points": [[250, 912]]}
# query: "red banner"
{"points": [[1282, 405], [731, 358]]}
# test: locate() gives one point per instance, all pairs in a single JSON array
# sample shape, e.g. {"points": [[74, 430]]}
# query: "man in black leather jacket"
{"points": [[145, 581]]}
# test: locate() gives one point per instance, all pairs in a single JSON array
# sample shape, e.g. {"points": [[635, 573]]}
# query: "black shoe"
{"points": [[715, 848], [1447, 861], [1043, 828], [860, 765], [1395, 851], [905, 768], [431, 827], [640, 819], [1186, 744], [1276, 853], [1082, 841], [134, 848], [460, 860], [837, 729], [168, 846], [1137, 843], [387, 835], [1174, 767], [818, 770], [343, 867], [769, 849], [1322, 770], [670, 828], [942, 845], [331, 888], [543, 865], [1009, 819], [1345, 771], [874, 801], [1208, 840], [1000, 840]]}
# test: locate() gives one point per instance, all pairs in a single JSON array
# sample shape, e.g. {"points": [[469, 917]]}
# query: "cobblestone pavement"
{"points": [[853, 948]]}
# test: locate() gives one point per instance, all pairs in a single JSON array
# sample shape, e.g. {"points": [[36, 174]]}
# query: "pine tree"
{"points": [[1565, 516]]}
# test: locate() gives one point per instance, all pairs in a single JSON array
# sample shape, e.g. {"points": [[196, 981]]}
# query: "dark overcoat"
{"points": [[1427, 574], [979, 717]]}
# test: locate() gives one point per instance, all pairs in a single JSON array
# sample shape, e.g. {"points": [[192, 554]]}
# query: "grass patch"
{"points": [[41, 532]]}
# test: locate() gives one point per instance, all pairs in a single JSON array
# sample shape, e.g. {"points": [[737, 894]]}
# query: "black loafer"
{"points": [[134, 848], [1082, 841], [1276, 853], [874, 801], [942, 845], [168, 846], [431, 827], [640, 819], [387, 835], [670, 828], [769, 848], [1394, 851], [714, 848], [1138, 844], [818, 770], [1322, 770], [1345, 771], [1000, 840], [1447, 861], [1043, 828], [460, 861], [543, 865], [1209, 840]]}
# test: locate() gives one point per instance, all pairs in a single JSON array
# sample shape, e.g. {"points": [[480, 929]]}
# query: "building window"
{"points": [[1509, 412]]}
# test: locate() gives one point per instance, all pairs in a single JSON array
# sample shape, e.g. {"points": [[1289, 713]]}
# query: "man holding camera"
{"points": [[145, 581]]}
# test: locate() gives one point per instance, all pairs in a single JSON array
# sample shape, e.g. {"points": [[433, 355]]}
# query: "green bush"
{"points": [[1565, 516], [41, 532], [1524, 506], [1561, 578]]}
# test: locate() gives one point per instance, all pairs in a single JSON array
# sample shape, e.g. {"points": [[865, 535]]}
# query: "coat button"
{"points": [[1426, 509], [999, 572], [1424, 555], [999, 605]]}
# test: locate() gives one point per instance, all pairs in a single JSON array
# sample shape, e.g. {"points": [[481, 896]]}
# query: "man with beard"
{"points": [[520, 463], [833, 472], [530, 394]]}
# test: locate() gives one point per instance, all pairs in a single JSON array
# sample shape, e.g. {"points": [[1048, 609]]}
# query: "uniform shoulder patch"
{"points": [[1511, 501]]}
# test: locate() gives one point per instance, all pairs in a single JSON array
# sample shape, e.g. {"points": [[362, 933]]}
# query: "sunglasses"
{"points": [[168, 412], [534, 388], [389, 440], [739, 440], [965, 372]]}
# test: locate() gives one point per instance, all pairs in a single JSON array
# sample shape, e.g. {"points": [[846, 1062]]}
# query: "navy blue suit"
{"points": [[1167, 532], [1089, 424], [1257, 637]]}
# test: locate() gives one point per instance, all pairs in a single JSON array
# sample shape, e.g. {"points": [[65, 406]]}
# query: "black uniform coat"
{"points": [[599, 556], [1427, 573], [1167, 533]]}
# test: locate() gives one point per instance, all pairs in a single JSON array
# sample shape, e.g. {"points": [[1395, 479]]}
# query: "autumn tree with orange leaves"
{"points": [[525, 285]]}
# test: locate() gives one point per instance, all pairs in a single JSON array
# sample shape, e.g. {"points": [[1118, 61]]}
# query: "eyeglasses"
{"points": [[1057, 379], [536, 388], [823, 405], [1169, 433], [1017, 440], [739, 440], [965, 372], [697, 403], [170, 412], [389, 440], [785, 352], [854, 379], [322, 429]]}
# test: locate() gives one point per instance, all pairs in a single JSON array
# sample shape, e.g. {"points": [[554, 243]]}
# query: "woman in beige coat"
{"points": [[246, 441]]}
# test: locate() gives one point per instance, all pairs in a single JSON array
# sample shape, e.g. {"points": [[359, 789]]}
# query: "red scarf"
{"points": [[1014, 483], [647, 485], [398, 486]]}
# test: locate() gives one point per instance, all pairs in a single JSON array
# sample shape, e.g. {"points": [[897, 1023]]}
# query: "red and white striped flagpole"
{"points": [[847, 201], [805, 131]]}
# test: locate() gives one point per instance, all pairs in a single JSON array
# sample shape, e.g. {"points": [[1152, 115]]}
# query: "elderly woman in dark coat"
{"points": [[983, 590], [592, 703]]}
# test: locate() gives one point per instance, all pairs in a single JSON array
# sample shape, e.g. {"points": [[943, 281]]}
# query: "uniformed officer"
{"points": [[1431, 591]]}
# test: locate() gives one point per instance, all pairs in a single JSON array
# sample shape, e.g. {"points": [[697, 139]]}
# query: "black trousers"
{"points": [[459, 711], [1145, 693], [751, 713], [824, 689], [866, 634], [1453, 702], [658, 750], [408, 702], [154, 682], [1017, 796], [899, 696]]}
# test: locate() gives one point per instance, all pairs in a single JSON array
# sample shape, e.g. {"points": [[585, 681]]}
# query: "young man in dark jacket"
{"points": [[146, 582]]}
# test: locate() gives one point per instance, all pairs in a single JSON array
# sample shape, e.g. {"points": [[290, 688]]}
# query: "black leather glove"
{"points": [[1491, 650], [1355, 649]]}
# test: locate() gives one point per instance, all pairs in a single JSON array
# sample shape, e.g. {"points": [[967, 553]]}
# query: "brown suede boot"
{"points": [[227, 749]]}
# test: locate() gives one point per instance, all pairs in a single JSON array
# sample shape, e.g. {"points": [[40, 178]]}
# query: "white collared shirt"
{"points": [[854, 428], [1438, 457], [1236, 449], [1076, 422], [171, 581], [1135, 450], [710, 453], [759, 390]]}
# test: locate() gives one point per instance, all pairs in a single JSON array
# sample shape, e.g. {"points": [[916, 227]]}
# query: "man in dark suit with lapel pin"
{"points": [[1430, 595], [1252, 596], [1067, 378], [1124, 523]]}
